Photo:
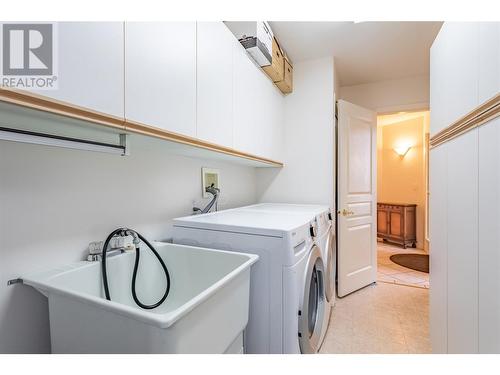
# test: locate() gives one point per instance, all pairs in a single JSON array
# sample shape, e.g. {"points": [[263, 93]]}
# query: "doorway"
{"points": [[374, 314], [371, 316], [382, 198], [402, 198]]}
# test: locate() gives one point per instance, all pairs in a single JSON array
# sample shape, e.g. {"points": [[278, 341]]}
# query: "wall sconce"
{"points": [[402, 150]]}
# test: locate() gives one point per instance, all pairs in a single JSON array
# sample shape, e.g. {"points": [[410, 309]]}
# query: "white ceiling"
{"points": [[396, 118], [364, 52]]}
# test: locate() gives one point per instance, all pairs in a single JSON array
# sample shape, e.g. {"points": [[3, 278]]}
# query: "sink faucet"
{"points": [[215, 192], [117, 245]]}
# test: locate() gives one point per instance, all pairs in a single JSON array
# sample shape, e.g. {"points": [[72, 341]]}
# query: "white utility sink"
{"points": [[205, 312]]}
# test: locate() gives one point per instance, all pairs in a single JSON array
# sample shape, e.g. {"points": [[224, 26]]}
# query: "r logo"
{"points": [[27, 49]]}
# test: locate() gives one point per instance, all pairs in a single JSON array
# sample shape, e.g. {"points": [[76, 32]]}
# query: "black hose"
{"points": [[124, 231]]}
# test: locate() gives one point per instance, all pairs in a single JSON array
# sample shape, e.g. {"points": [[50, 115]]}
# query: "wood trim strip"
{"points": [[41, 103], [139, 128], [475, 118]]}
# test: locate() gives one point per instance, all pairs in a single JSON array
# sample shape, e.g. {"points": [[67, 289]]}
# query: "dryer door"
{"points": [[330, 267], [312, 307]]}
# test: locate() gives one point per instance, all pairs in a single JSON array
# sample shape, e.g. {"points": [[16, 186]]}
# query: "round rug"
{"points": [[417, 262]]}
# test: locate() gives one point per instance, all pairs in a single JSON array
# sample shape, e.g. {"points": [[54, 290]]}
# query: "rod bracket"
{"points": [[125, 143], [14, 281]]}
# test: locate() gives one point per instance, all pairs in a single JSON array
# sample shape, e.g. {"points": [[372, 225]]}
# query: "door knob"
{"points": [[345, 212]]}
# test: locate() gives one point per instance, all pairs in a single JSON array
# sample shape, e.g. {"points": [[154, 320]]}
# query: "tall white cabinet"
{"points": [[464, 193], [462, 232], [438, 221], [489, 238]]}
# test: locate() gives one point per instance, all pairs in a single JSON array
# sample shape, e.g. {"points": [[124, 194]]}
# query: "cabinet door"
{"points": [[489, 60], [438, 67], [462, 68], [160, 75], [489, 237], [90, 66], [247, 98], [215, 45], [258, 109], [382, 222], [438, 253], [454, 73], [395, 226], [462, 232], [271, 120]]}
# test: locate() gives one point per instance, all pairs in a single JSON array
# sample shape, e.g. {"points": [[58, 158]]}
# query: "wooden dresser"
{"points": [[397, 223]]}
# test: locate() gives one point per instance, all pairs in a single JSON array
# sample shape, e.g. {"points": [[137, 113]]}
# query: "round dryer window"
{"points": [[312, 306]]}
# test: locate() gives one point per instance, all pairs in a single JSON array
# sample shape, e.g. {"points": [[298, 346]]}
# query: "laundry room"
{"points": [[215, 185], [70, 197]]}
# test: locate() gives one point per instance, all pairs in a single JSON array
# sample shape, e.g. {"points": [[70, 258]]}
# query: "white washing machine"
{"points": [[287, 291], [325, 238]]}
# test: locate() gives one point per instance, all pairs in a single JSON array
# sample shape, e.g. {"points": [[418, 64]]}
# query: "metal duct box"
{"points": [[256, 37]]}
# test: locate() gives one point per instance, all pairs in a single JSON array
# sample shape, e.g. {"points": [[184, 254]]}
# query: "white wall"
{"points": [[404, 94], [53, 202], [309, 140]]}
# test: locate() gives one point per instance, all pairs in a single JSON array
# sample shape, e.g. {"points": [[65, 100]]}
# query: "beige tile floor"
{"points": [[390, 272], [381, 318]]}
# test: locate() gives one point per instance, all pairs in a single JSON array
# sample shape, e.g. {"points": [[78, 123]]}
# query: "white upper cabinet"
{"points": [[258, 109], [454, 73], [438, 98], [215, 45], [271, 119], [489, 60], [90, 66], [465, 66], [462, 68], [193, 79], [246, 99], [160, 75]]}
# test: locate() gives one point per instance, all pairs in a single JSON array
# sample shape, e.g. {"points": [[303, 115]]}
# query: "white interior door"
{"points": [[356, 201]]}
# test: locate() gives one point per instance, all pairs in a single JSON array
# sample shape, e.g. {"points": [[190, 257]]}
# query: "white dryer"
{"points": [[287, 291], [325, 236]]}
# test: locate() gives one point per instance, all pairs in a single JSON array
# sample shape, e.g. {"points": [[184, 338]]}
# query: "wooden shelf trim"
{"points": [[475, 118], [41, 103], [139, 128]]}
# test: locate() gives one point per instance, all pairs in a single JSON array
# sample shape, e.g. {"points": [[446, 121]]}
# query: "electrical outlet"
{"points": [[209, 176]]}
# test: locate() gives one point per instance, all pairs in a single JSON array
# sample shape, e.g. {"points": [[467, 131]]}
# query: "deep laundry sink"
{"points": [[205, 312]]}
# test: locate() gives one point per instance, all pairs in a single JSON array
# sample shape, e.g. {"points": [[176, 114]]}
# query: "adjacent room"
{"points": [[402, 198]]}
